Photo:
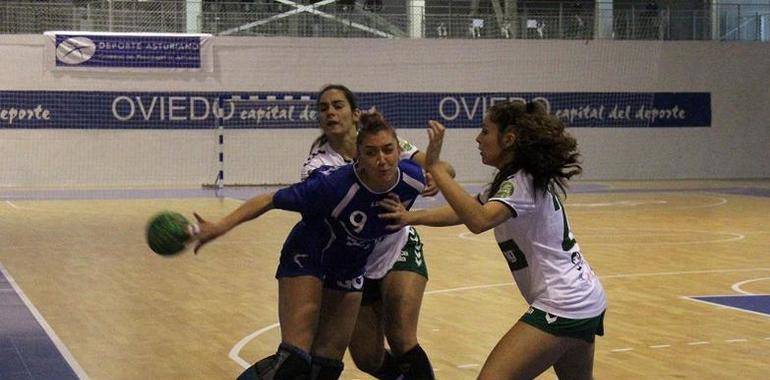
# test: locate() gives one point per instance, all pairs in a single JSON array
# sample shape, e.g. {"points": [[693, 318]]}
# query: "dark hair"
{"points": [[349, 96], [371, 123], [542, 147]]}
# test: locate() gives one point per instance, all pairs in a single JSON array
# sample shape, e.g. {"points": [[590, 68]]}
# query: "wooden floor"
{"points": [[125, 313]]}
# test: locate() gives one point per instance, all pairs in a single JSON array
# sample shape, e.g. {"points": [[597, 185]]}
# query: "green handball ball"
{"points": [[167, 233]]}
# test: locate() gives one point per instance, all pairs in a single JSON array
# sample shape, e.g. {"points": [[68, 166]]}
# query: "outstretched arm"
{"points": [[399, 216], [477, 217], [249, 210]]}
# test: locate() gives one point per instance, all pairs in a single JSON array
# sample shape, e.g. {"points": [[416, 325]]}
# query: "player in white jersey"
{"points": [[535, 157], [396, 272]]}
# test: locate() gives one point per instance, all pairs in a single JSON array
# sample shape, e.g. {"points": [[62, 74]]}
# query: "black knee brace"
{"points": [[326, 369], [389, 368], [415, 365], [289, 363]]}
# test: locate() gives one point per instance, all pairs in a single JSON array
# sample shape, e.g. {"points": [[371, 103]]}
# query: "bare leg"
{"points": [[577, 363], [299, 306], [523, 353], [367, 346], [402, 299], [337, 321]]}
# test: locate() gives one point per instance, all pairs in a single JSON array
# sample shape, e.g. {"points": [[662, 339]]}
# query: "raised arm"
{"points": [[249, 210], [477, 217], [420, 156]]}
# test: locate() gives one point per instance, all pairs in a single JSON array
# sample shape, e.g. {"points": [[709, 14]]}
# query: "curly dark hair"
{"points": [[542, 147]]}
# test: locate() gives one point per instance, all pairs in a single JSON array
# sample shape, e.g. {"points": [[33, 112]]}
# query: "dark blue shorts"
{"points": [[297, 263], [307, 252]]}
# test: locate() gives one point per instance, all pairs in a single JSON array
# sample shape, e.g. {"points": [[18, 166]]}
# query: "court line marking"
{"points": [[720, 306], [235, 351], [471, 287], [721, 201], [732, 236], [737, 286], [628, 203], [599, 206], [620, 275], [633, 203], [697, 343], [80, 212], [677, 273], [46, 327]]}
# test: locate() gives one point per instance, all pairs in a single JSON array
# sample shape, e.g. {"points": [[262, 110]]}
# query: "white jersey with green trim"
{"points": [[542, 252], [388, 250], [325, 155]]}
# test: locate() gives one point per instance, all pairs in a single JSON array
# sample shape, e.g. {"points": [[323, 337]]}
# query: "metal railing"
{"points": [[530, 20]]}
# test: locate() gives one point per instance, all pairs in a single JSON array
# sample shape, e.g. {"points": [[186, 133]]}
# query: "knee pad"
{"points": [[326, 369], [289, 363], [415, 365], [388, 370]]}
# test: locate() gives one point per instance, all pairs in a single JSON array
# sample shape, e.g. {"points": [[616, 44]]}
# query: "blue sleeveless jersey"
{"points": [[340, 222]]}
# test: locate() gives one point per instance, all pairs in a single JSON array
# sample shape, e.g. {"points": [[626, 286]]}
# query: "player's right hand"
{"points": [[396, 213], [206, 232], [436, 140], [431, 188]]}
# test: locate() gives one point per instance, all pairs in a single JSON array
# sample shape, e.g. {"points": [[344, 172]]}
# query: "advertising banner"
{"points": [[128, 51], [200, 110]]}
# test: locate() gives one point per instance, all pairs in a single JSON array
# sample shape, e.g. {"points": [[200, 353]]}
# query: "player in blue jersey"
{"points": [[323, 260], [396, 271], [535, 156]]}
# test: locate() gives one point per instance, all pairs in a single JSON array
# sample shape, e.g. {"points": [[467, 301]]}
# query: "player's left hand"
{"points": [[431, 188], [396, 212]]}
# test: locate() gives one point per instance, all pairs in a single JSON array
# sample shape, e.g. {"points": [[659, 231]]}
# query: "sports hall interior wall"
{"points": [[735, 145]]}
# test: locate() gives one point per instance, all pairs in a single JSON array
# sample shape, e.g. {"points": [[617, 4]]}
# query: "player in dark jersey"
{"points": [[326, 253], [396, 271]]}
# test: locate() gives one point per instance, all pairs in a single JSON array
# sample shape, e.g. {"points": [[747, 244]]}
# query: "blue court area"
{"points": [[26, 350], [755, 303]]}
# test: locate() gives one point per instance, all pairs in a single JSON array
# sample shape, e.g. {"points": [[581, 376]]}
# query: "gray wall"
{"points": [[735, 146]]}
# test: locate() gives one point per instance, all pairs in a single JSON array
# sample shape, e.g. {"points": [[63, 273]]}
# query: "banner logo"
{"points": [[75, 50]]}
